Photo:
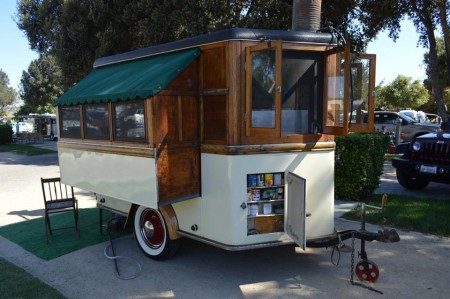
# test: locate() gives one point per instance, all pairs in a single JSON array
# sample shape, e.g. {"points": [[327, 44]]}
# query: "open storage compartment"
{"points": [[265, 203]]}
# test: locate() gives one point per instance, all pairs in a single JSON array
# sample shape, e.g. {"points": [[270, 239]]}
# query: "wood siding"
{"points": [[176, 126]]}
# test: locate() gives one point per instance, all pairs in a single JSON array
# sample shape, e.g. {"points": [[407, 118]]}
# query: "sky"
{"points": [[400, 58], [15, 53]]}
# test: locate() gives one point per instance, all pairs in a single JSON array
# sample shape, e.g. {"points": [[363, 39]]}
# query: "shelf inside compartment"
{"points": [[265, 203], [264, 215], [266, 224], [261, 194], [266, 200], [266, 187]]}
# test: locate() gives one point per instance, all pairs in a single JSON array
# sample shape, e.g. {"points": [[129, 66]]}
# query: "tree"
{"points": [[41, 84], [8, 95], [76, 32], [402, 92], [442, 64], [427, 15], [443, 15]]}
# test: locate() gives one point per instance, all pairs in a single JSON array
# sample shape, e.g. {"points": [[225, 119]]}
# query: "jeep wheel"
{"points": [[410, 182]]}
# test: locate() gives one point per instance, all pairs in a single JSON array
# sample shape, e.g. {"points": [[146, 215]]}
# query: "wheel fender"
{"points": [[170, 218]]}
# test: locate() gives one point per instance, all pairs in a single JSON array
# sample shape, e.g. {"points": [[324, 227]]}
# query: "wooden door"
{"points": [[177, 147]]}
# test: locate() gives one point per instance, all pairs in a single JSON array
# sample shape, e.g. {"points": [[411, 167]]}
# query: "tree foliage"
{"points": [[76, 32], [41, 84], [402, 92], [427, 16], [8, 94]]}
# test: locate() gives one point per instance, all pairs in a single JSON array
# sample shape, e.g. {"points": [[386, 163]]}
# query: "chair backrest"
{"points": [[54, 190]]}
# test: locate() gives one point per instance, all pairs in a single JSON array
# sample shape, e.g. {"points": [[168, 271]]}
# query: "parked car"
{"points": [[427, 159], [386, 122]]}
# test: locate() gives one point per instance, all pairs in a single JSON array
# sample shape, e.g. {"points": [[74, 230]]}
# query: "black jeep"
{"points": [[427, 159]]}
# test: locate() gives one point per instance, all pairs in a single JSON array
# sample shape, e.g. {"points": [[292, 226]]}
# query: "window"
{"points": [[336, 81], [263, 74], [301, 108], [362, 78], [349, 92], [70, 122], [129, 121], [96, 121], [263, 89]]}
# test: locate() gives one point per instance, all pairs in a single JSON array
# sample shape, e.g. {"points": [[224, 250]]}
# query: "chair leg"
{"points": [[47, 225], [77, 227], [101, 220]]}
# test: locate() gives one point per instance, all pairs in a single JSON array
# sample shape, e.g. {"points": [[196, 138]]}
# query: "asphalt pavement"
{"points": [[415, 267]]}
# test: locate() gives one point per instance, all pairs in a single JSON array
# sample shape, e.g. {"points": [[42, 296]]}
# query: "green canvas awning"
{"points": [[137, 79]]}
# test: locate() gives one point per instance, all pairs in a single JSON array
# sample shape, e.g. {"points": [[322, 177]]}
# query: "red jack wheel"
{"points": [[367, 271]]}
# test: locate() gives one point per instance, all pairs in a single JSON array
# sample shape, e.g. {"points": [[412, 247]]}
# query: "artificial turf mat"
{"points": [[30, 234]]}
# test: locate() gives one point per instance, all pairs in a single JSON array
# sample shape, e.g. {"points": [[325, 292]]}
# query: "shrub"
{"points": [[359, 164], [6, 133]]}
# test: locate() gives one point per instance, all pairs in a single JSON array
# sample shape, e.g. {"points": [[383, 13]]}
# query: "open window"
{"points": [[348, 92], [362, 89], [263, 94]]}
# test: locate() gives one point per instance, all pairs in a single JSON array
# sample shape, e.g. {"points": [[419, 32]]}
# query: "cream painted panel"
{"points": [[189, 213], [318, 169], [224, 189], [129, 178]]}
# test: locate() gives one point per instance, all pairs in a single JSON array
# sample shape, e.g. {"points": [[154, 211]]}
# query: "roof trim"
{"points": [[231, 34]]}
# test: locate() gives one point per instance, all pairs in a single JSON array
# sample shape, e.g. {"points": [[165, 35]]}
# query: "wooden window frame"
{"points": [[256, 131], [341, 128], [345, 127], [109, 109], [369, 125], [60, 121], [129, 139]]}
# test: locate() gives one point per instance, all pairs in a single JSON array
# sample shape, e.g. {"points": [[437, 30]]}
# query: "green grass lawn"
{"points": [[24, 149], [423, 215], [17, 283]]}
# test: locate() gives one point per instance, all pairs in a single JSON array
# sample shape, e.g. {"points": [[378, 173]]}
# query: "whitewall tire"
{"points": [[151, 234]]}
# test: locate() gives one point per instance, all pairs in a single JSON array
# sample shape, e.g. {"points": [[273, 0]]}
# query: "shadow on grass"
{"points": [[424, 215]]}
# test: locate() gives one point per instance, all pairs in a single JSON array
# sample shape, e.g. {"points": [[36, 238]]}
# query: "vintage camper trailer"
{"points": [[226, 138], [41, 125]]}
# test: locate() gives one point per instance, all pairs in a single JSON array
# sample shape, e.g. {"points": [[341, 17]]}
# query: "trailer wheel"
{"points": [[151, 234], [367, 271]]}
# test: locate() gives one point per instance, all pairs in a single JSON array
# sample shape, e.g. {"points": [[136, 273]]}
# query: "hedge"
{"points": [[6, 133], [359, 165]]}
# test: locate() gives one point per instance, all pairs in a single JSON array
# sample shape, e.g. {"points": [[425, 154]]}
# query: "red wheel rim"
{"points": [[151, 228], [367, 271]]}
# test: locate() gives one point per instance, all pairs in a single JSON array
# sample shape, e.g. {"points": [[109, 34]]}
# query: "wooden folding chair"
{"points": [[58, 198]]}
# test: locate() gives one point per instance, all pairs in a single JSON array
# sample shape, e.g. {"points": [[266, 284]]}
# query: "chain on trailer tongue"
{"points": [[366, 270]]}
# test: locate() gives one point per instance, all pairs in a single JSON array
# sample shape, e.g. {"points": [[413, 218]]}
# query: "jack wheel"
{"points": [[367, 271]]}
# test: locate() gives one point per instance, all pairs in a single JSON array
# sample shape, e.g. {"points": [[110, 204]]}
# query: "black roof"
{"points": [[304, 37]]}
